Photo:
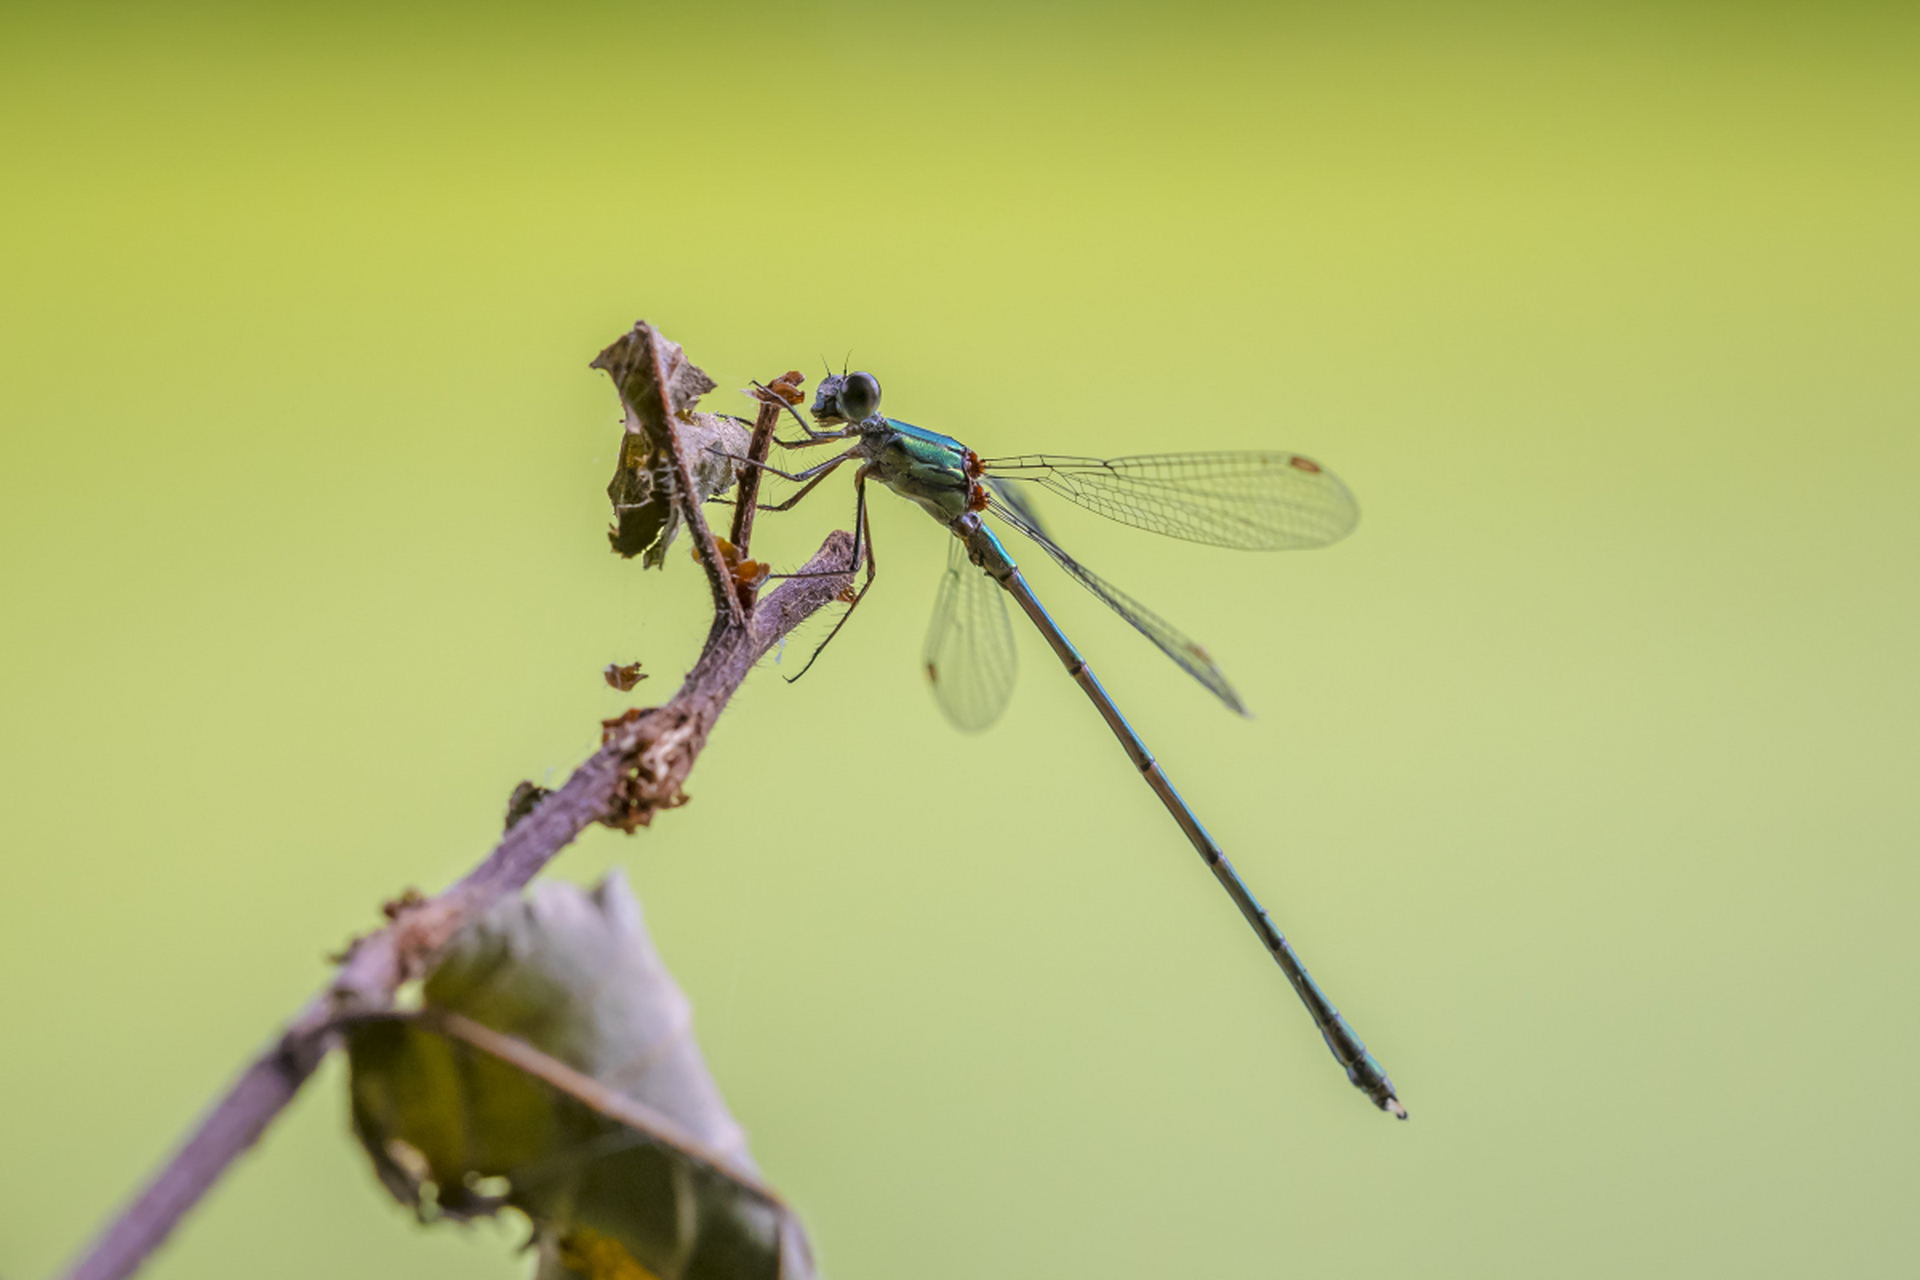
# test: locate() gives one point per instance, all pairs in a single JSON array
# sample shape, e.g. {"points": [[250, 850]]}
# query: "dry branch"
{"points": [[639, 770]]}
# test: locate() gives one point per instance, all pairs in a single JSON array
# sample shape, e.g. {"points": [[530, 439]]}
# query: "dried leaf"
{"points": [[787, 386], [659, 388], [621, 1152], [623, 677]]}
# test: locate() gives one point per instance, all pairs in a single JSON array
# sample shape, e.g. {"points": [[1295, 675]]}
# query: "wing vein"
{"points": [[1173, 642], [1266, 501]]}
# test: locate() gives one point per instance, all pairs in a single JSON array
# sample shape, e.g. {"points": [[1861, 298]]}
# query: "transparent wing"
{"points": [[1251, 501], [1190, 657], [1020, 498], [969, 652]]}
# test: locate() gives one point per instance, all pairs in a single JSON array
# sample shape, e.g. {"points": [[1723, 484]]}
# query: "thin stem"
{"points": [[719, 577], [748, 499]]}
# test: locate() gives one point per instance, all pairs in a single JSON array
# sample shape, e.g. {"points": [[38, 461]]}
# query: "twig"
{"points": [[748, 498], [719, 577], [638, 771]]}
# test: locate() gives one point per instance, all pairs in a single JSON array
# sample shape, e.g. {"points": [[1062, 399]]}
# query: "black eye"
{"points": [[859, 397]]}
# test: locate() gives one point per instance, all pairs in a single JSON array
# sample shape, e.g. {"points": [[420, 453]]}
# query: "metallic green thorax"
{"points": [[933, 470]]}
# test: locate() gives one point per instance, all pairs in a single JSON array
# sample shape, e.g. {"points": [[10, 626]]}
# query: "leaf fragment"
{"points": [[623, 676], [658, 388]]}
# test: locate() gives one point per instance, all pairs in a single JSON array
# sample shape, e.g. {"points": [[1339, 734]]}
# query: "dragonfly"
{"points": [[1262, 501]]}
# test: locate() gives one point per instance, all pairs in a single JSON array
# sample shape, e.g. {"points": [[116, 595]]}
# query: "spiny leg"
{"points": [[805, 489], [861, 531], [812, 441], [812, 475], [817, 474], [809, 474], [861, 526]]}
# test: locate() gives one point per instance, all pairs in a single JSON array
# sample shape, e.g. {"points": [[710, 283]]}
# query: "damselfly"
{"points": [[1253, 501]]}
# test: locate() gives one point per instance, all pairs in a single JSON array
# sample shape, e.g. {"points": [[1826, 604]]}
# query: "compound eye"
{"points": [[859, 397]]}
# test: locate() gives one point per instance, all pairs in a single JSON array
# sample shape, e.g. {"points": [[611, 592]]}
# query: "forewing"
{"points": [[1249, 501], [969, 653], [1190, 657]]}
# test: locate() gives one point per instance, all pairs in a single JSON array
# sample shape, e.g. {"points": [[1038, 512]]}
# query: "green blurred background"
{"points": [[1584, 774]]}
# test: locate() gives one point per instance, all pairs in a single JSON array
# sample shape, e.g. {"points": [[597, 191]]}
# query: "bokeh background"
{"points": [[1584, 773]]}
